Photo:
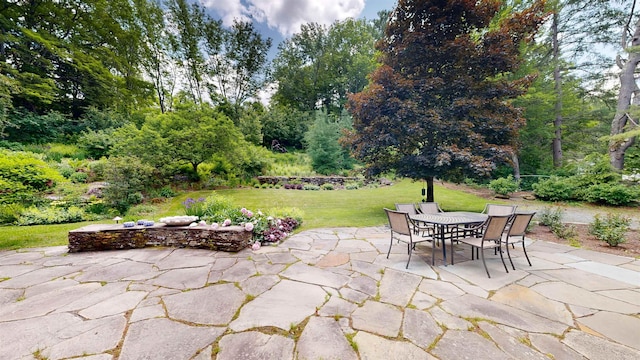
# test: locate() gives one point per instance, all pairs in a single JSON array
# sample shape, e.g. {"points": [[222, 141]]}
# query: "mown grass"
{"points": [[334, 208]]}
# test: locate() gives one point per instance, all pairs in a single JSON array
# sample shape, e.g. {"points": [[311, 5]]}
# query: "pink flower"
{"points": [[249, 214], [248, 226], [215, 225], [243, 211], [256, 245], [227, 222]]}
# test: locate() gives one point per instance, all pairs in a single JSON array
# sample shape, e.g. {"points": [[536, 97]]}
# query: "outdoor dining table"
{"points": [[444, 221]]}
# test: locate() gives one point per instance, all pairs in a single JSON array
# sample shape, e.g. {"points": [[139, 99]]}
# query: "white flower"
{"points": [[227, 222], [248, 226]]}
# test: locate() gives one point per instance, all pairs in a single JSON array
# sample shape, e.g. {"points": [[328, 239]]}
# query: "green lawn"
{"points": [[336, 208]]}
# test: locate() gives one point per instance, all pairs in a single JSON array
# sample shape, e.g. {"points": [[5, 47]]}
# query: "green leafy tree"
{"points": [[439, 104], [322, 140], [186, 136], [187, 23], [238, 72], [155, 51], [318, 67], [285, 125]]}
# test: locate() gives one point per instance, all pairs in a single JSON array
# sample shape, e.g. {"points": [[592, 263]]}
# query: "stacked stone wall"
{"points": [[114, 237]]}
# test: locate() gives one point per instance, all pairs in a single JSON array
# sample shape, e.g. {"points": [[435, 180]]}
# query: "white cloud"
{"points": [[286, 16], [228, 10]]}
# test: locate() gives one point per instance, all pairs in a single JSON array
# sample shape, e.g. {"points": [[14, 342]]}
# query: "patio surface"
{"points": [[322, 294]]}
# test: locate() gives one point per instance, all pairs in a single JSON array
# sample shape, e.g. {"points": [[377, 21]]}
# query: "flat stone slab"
{"points": [[624, 329], [376, 347], [420, 327], [526, 299], [574, 295], [321, 330], [456, 344], [378, 318], [313, 275], [594, 347], [213, 305], [253, 345], [267, 309], [470, 306], [159, 338], [397, 287]]}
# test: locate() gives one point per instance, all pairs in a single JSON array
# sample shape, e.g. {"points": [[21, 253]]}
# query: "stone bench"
{"points": [[113, 237]]}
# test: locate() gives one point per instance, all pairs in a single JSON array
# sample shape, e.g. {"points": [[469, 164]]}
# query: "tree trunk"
{"points": [[429, 189], [516, 166], [629, 95], [557, 78]]}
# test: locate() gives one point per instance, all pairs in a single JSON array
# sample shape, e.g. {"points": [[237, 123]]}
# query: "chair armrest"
{"points": [[428, 229]]}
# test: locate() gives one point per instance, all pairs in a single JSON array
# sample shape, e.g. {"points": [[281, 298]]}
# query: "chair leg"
{"points": [[409, 246], [509, 254], [391, 244], [502, 258], [485, 264], [525, 252]]}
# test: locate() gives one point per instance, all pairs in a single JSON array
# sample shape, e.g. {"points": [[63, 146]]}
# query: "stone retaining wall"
{"points": [[315, 180], [114, 237]]}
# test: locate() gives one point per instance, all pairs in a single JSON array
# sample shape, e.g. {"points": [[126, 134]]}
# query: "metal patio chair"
{"points": [[403, 229], [491, 238], [516, 233]]}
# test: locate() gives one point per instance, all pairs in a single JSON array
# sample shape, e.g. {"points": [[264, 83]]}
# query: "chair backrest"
{"points": [[496, 209], [519, 224], [398, 221], [495, 226], [407, 208], [429, 207]]}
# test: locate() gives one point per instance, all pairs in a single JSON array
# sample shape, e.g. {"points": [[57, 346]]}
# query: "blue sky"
{"points": [[279, 19]]}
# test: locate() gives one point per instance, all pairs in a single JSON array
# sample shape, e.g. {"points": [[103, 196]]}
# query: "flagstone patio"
{"points": [[321, 294]]}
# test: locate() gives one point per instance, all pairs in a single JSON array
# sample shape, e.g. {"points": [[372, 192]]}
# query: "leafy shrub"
{"points": [[352, 186], [504, 186], [56, 152], [554, 189], [96, 206], [293, 186], [310, 187], [24, 174], [9, 213], [97, 169], [141, 209], [552, 218], [96, 144], [612, 194], [79, 177], [66, 170], [128, 177], [166, 192], [327, 186], [611, 230], [52, 215], [216, 203]]}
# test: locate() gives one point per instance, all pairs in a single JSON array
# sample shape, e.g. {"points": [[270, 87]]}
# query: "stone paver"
{"points": [[321, 294]]}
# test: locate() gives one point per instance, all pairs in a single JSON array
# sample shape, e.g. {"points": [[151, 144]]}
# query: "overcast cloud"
{"points": [[286, 16]]}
